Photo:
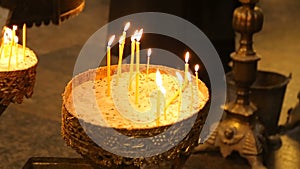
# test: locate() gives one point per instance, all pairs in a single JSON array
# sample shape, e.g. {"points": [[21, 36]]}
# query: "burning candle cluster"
{"points": [[12, 55], [163, 101]]}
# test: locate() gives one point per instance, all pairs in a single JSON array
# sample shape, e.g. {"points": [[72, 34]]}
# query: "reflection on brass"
{"points": [[240, 130]]}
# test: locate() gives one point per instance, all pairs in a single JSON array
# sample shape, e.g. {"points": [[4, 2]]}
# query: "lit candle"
{"points": [[6, 40], [189, 77], [160, 93], [180, 79], [12, 44], [123, 38], [119, 71], [196, 73], [138, 38], [108, 63], [126, 27], [15, 27], [186, 66], [24, 41], [148, 62], [132, 57], [176, 95], [16, 49]]}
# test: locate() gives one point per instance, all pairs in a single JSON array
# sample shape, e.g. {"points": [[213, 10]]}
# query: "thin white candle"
{"points": [[119, 71], [196, 73], [161, 94], [138, 38], [186, 66], [189, 77], [126, 27], [180, 79], [148, 62], [108, 63], [12, 44], [123, 37], [6, 41], [24, 41], [132, 57]]}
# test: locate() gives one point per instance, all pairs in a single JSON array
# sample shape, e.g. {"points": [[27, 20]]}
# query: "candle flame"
{"points": [[159, 82], [187, 56], [158, 78], [149, 52], [126, 26], [139, 35], [7, 36], [15, 27], [133, 37], [111, 40], [180, 78], [197, 67], [122, 38]]}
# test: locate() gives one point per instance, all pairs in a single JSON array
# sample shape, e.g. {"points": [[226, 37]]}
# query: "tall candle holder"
{"points": [[240, 129]]}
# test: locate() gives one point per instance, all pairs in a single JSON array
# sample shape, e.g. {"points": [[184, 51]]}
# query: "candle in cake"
{"points": [[126, 27], [176, 95], [196, 73], [119, 71], [186, 66], [6, 41], [138, 38], [189, 77], [12, 45], [108, 63], [180, 79], [123, 37], [24, 41], [160, 96], [148, 62], [132, 57]]}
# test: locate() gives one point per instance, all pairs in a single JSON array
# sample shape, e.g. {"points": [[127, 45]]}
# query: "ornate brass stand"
{"points": [[240, 129]]}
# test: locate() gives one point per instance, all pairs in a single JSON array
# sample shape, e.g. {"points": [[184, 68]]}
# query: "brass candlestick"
{"points": [[240, 130]]}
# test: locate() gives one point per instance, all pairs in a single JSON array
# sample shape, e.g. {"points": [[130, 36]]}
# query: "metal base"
{"points": [[235, 134]]}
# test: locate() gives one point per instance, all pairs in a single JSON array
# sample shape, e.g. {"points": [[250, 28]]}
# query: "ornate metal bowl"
{"points": [[76, 135], [15, 85]]}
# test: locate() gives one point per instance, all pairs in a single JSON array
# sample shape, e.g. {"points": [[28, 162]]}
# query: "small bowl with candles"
{"points": [[17, 68]]}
